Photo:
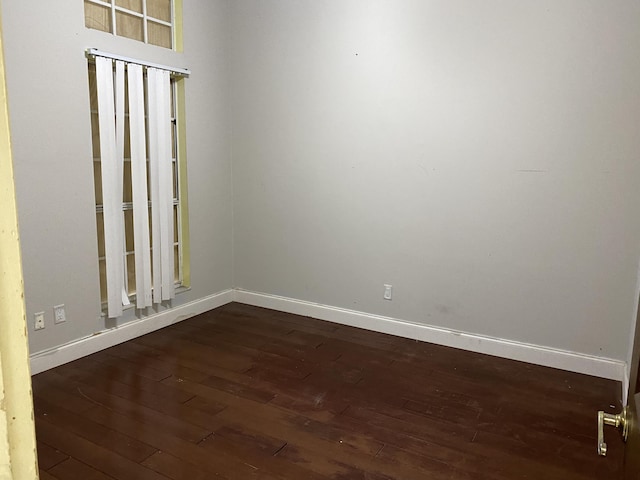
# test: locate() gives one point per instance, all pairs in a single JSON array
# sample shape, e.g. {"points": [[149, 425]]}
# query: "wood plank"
{"points": [[181, 427], [95, 456], [337, 448], [196, 353], [222, 463], [245, 392], [257, 458], [270, 418], [98, 434], [73, 469], [44, 475], [48, 456], [145, 357], [177, 469]]}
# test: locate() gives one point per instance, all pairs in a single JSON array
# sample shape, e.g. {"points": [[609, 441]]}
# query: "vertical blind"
{"points": [[117, 81]]}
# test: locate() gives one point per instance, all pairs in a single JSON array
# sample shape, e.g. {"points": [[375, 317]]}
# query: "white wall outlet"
{"points": [[388, 292], [38, 321], [59, 314]]}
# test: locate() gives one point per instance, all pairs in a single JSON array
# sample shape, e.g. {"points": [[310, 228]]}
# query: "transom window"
{"points": [[149, 21]]}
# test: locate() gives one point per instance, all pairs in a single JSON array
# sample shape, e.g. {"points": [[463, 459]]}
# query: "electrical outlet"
{"points": [[59, 314], [38, 321], [388, 292]]}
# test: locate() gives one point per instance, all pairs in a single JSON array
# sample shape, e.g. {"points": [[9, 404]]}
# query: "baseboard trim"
{"points": [[48, 359], [536, 354]]}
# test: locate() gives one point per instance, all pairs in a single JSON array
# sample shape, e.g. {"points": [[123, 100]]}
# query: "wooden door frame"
{"points": [[631, 400], [634, 369], [18, 456]]}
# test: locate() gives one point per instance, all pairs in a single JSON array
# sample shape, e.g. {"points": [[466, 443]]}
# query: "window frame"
{"points": [[146, 18]]}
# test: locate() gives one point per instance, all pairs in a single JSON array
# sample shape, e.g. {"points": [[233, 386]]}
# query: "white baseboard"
{"points": [[540, 355], [536, 354], [86, 346]]}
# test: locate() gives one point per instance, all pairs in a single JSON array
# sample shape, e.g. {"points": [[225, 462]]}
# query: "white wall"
{"points": [[49, 107], [482, 157]]}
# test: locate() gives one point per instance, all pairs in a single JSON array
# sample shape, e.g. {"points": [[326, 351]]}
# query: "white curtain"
{"points": [[154, 259]]}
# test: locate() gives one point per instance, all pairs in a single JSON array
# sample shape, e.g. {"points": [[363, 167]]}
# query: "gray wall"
{"points": [[44, 45], [482, 157]]}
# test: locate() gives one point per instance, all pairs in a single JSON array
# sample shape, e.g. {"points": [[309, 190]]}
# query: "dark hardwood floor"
{"points": [[243, 392]]}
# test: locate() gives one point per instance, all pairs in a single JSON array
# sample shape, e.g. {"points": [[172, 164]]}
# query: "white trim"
{"points": [[144, 22], [536, 354], [539, 355], [107, 338]]}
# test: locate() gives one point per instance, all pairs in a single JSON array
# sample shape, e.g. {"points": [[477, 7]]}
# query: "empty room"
{"points": [[319, 239]]}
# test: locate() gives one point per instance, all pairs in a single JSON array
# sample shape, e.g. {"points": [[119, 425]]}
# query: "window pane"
{"points": [[97, 16], [173, 141], [93, 91], [97, 180], [103, 280], [127, 189], [150, 225], [160, 9], [95, 135], [129, 26], [129, 230], [127, 137], [134, 5], [176, 264], [176, 224], [93, 100], [159, 34], [131, 274], [127, 186], [175, 180], [100, 225]]}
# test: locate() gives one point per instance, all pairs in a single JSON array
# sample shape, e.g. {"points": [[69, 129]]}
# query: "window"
{"points": [[149, 21], [141, 221]]}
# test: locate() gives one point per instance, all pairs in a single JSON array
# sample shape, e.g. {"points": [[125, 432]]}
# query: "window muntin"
{"points": [[148, 21]]}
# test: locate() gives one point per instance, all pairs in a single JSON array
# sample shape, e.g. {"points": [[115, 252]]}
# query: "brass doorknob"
{"points": [[618, 421]]}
